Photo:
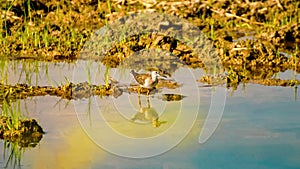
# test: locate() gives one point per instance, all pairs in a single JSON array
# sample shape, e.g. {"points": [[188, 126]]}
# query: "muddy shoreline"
{"points": [[269, 21]]}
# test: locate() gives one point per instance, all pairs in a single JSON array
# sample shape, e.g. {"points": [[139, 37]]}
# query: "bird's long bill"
{"points": [[163, 76]]}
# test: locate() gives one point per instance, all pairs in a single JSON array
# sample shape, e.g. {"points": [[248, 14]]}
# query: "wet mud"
{"points": [[68, 91], [77, 91]]}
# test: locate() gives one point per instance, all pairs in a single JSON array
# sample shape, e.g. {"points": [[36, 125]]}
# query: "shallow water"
{"points": [[259, 129]]}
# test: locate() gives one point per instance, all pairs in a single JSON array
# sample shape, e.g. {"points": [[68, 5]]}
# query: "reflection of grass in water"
{"points": [[3, 69], [14, 112], [36, 71], [88, 72], [27, 71], [46, 69], [29, 68], [106, 76], [89, 110], [14, 152]]}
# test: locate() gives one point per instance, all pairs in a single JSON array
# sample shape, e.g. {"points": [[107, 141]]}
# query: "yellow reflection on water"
{"points": [[76, 151]]}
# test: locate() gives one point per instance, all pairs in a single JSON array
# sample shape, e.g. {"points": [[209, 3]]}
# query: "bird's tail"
{"points": [[133, 72]]}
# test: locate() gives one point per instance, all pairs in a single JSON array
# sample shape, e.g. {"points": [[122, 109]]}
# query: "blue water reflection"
{"points": [[259, 129]]}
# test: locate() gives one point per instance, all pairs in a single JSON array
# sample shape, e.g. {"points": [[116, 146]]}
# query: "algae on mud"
{"points": [[73, 91], [60, 29], [68, 91], [27, 134], [15, 128]]}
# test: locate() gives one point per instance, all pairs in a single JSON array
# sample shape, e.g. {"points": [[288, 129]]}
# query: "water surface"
{"points": [[259, 129]]}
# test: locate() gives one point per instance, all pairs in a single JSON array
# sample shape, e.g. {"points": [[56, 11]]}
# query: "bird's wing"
{"points": [[140, 78]]}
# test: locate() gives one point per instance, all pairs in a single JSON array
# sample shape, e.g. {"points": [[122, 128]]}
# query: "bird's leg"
{"points": [[155, 123], [139, 100], [148, 103], [139, 91]]}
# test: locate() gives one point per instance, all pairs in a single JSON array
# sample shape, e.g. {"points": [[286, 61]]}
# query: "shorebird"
{"points": [[148, 81]]}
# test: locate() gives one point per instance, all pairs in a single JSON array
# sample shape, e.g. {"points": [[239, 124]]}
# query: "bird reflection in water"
{"points": [[147, 114]]}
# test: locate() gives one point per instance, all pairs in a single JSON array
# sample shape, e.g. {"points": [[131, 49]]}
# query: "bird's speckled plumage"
{"points": [[146, 80]]}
